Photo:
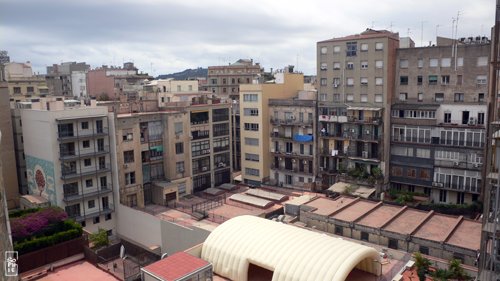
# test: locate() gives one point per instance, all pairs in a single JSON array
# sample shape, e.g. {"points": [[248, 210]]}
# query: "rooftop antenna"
{"points": [[390, 27], [422, 33], [408, 32], [437, 27], [297, 67]]}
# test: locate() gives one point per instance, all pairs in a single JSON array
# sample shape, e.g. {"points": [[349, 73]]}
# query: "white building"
{"points": [[79, 83], [68, 159]]}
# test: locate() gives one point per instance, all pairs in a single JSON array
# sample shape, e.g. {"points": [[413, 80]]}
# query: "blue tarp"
{"points": [[302, 138]]}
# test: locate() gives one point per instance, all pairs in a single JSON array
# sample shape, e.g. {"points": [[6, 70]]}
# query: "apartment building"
{"points": [[438, 120], [67, 148], [293, 148], [7, 151], [108, 83], [489, 257], [67, 79], [171, 90], [255, 122], [22, 82], [224, 81], [171, 151], [356, 81]]}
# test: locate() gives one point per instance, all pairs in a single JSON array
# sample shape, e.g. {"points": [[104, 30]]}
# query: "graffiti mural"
{"points": [[41, 178]]}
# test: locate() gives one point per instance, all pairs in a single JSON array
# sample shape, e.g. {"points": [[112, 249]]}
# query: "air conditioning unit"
{"points": [[204, 169], [305, 162], [477, 165], [335, 85], [456, 163], [222, 164], [472, 121], [367, 132], [437, 184], [292, 117]]}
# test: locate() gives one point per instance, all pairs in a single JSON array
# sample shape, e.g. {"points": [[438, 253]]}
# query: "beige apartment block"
{"points": [[22, 81], [255, 125], [438, 119], [69, 161], [292, 146], [356, 81]]}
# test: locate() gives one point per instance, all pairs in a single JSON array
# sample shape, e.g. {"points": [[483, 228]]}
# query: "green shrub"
{"points": [[20, 213], [99, 239]]}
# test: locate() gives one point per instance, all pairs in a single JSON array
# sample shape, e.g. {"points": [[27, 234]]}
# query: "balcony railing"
{"points": [[90, 214], [295, 121], [354, 119], [73, 154], [280, 136], [71, 197], [67, 135], [74, 173]]}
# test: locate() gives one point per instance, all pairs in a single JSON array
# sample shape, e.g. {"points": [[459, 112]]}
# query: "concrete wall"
{"points": [[138, 227], [176, 238], [98, 83]]}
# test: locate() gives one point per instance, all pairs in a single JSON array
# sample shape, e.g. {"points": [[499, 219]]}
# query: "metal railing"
{"points": [[74, 173]]}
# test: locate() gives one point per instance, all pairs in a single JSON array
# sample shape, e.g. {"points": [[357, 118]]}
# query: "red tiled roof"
{"points": [[176, 266]]}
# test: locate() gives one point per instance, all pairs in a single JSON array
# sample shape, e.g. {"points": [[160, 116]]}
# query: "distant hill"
{"points": [[186, 74]]}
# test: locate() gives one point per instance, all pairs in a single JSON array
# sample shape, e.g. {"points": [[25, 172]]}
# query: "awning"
{"points": [[158, 148], [302, 138], [364, 108]]}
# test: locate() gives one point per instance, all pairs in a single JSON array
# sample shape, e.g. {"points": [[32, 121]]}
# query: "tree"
{"points": [[422, 264], [99, 239]]}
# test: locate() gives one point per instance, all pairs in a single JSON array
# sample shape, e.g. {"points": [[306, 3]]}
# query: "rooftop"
{"points": [[78, 271], [437, 227], [406, 222], [326, 206], [353, 212], [176, 266], [379, 216], [367, 34]]}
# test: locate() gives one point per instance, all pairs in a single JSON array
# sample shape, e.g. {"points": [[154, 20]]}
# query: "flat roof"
{"points": [[379, 216], [300, 200], [466, 234], [406, 222], [354, 211], [251, 200], [436, 228], [273, 196], [78, 271], [326, 206], [175, 266]]}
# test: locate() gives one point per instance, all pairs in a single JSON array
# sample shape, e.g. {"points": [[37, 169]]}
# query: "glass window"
{"points": [[379, 64], [324, 50], [379, 46], [482, 61], [336, 65], [433, 62], [336, 49], [403, 63], [445, 62], [364, 47]]}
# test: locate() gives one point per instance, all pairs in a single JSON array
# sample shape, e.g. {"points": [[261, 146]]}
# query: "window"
{"points": [[433, 62], [87, 162], [252, 141], [459, 79], [481, 79], [423, 250], [480, 118], [96, 220], [364, 98], [482, 61], [179, 148], [107, 217], [396, 171], [460, 197], [179, 167], [459, 97], [336, 65], [323, 82], [364, 65], [379, 46], [411, 173], [364, 236], [17, 90], [379, 64], [352, 48], [420, 96], [403, 96], [130, 178], [393, 244], [364, 81], [336, 49], [252, 172], [251, 111], [128, 156], [336, 82], [336, 97], [252, 157], [322, 97], [445, 62], [422, 153], [132, 200], [350, 81], [181, 188], [379, 81], [178, 128], [433, 79], [442, 195], [378, 98], [339, 230], [419, 80], [480, 97], [89, 183], [403, 63], [288, 179], [445, 79], [323, 66], [403, 80], [324, 50], [251, 126], [420, 63], [447, 117], [350, 65], [85, 125], [439, 97], [91, 204], [250, 97], [30, 90], [350, 97], [364, 47], [127, 136], [86, 144]]}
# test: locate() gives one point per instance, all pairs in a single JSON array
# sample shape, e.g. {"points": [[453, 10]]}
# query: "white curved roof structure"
{"points": [[292, 253]]}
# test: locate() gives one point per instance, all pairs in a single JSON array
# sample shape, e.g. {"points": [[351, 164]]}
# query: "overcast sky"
{"points": [[162, 36]]}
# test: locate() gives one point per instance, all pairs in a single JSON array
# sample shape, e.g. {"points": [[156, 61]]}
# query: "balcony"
{"points": [[72, 197], [198, 135], [130, 189], [72, 154], [332, 118], [291, 122], [333, 152], [90, 214], [73, 135], [277, 135], [201, 170], [221, 148], [461, 143], [365, 120], [221, 165], [363, 155], [75, 173], [458, 164]]}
